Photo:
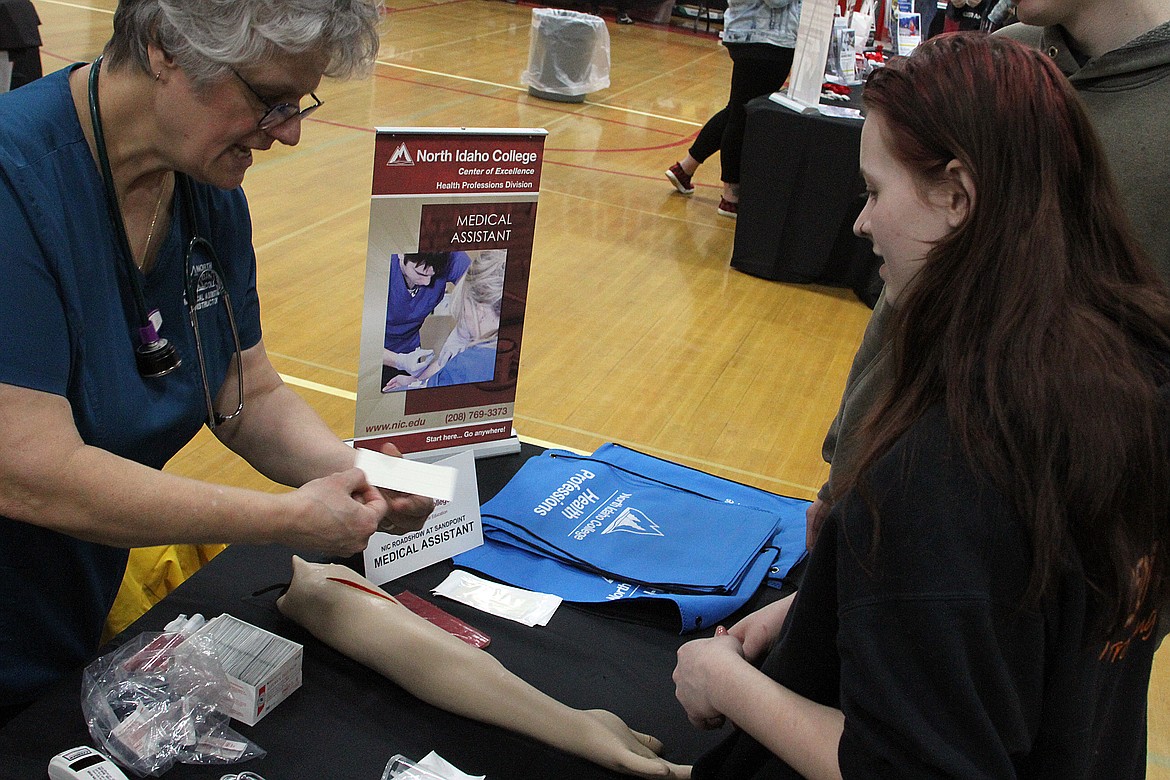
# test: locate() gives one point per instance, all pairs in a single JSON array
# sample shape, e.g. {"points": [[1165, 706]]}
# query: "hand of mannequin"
{"points": [[351, 614]]}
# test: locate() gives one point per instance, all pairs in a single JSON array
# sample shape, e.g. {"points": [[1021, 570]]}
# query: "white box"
{"points": [[262, 668]]}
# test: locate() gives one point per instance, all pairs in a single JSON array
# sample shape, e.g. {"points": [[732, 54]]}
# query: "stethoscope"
{"points": [[155, 356]]}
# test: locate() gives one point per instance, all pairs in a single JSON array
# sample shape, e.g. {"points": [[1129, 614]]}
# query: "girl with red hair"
{"points": [[982, 599]]}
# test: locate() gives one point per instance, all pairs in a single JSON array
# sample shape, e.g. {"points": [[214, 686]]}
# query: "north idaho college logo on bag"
{"points": [[633, 521]]}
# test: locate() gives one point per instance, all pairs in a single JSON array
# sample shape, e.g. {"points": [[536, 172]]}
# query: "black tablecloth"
{"points": [[346, 721], [800, 192], [18, 25]]}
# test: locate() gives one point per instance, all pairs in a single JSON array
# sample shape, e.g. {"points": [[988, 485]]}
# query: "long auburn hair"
{"points": [[1038, 323]]}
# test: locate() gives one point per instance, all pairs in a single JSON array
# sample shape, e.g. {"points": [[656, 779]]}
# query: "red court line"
{"points": [[528, 4], [627, 174], [672, 145], [387, 11], [681, 140], [51, 55], [657, 25], [553, 108]]}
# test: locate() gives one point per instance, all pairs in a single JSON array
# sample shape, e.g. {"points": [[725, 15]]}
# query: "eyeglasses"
{"points": [[279, 113], [205, 284]]}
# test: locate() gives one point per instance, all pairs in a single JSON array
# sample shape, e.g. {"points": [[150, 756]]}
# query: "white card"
{"points": [[407, 476]]}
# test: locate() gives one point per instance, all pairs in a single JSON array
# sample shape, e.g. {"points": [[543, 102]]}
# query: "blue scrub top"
{"points": [[69, 328], [474, 364], [404, 314]]}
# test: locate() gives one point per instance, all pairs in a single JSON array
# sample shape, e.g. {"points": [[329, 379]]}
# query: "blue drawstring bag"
{"points": [[790, 536], [608, 520], [558, 495], [537, 572]]}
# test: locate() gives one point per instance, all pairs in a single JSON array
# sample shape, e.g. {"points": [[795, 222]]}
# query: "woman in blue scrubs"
{"points": [[131, 319]]}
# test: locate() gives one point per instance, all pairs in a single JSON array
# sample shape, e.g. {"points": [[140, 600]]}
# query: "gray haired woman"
{"points": [[127, 248]]}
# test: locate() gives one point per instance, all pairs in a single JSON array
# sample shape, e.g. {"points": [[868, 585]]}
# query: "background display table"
{"points": [[800, 193], [346, 721], [21, 41]]}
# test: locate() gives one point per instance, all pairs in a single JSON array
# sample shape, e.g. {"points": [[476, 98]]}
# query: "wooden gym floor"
{"points": [[637, 330]]}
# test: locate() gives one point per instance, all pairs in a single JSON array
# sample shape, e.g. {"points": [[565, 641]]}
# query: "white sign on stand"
{"points": [[453, 527], [812, 49]]}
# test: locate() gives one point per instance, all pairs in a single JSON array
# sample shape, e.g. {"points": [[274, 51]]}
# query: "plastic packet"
{"points": [[523, 606], [568, 54], [431, 767], [400, 767], [151, 704]]}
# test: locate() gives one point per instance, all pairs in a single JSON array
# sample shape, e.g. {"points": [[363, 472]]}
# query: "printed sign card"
{"points": [[909, 33], [452, 220], [453, 527]]}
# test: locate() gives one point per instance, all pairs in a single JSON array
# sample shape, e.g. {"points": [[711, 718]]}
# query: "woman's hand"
{"points": [[758, 632], [405, 512], [335, 514], [697, 676], [399, 382]]}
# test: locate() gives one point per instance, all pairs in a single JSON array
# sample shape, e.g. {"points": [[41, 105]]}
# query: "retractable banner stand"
{"points": [[452, 220]]}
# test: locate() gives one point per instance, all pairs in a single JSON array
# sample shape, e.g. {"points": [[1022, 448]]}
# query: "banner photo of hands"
{"points": [[620, 525], [452, 221]]}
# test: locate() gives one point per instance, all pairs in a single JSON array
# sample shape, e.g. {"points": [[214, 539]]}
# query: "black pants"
{"points": [[26, 65], [757, 69]]}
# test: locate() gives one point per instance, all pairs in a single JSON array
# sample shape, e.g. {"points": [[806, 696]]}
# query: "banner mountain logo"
{"points": [[401, 156], [633, 521]]}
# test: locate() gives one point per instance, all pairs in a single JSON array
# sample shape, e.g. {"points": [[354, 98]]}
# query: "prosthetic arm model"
{"points": [[349, 613]]}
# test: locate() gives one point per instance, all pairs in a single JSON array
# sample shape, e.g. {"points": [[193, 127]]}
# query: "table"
{"points": [[800, 193], [346, 721]]}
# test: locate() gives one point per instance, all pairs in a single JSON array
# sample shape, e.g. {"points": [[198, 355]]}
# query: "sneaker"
{"points": [[624, 18], [680, 179], [728, 208]]}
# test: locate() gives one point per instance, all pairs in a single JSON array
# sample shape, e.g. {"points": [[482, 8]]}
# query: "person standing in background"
{"points": [[760, 36], [968, 16], [1116, 54], [957, 16]]}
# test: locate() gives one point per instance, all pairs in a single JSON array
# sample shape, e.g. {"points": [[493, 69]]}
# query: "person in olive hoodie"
{"points": [[1116, 54]]}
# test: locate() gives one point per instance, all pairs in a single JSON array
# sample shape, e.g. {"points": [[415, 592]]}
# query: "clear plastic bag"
{"points": [[431, 767], [151, 704], [568, 55], [399, 767]]}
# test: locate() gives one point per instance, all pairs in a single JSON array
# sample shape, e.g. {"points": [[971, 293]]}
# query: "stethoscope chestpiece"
{"points": [[155, 356]]}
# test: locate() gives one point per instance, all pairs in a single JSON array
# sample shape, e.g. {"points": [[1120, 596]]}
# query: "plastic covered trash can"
{"points": [[568, 55]]}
